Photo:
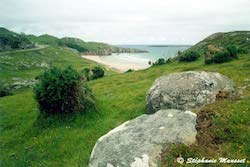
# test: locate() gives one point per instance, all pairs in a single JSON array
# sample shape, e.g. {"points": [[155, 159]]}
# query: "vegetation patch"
{"points": [[221, 56], [189, 56], [160, 61], [62, 91], [5, 91], [216, 131], [95, 73], [13, 41]]}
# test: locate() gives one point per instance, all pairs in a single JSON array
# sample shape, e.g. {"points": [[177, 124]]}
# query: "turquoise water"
{"points": [[141, 59], [156, 52]]}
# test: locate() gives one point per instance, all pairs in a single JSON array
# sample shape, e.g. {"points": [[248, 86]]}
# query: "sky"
{"points": [[126, 21]]}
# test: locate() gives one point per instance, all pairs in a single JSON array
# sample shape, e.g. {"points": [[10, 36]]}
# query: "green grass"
{"points": [[44, 39], [28, 139], [26, 65]]}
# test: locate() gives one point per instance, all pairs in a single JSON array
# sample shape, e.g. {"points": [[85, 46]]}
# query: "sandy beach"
{"points": [[120, 67]]}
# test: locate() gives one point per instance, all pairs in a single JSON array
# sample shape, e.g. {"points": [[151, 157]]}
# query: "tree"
{"points": [[61, 91], [98, 72]]}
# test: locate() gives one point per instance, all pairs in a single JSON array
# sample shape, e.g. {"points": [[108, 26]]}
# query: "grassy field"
{"points": [[29, 139], [25, 65]]}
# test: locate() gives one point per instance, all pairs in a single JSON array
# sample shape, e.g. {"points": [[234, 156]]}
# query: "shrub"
{"points": [[189, 56], [86, 72], [61, 91], [98, 72], [5, 91], [129, 70], [232, 51], [209, 60], [242, 51], [221, 57], [161, 61], [169, 60]]}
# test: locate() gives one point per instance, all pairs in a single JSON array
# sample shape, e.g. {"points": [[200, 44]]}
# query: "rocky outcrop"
{"points": [[138, 143], [23, 83], [188, 90]]}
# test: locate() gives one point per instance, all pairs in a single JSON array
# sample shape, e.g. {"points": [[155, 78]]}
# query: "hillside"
{"points": [[19, 69], [241, 39], [13, 41], [44, 39], [94, 48], [29, 139]]}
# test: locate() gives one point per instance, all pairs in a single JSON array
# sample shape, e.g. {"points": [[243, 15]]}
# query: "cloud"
{"points": [[126, 21]]}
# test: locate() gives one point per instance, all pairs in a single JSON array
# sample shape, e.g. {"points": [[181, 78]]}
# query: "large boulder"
{"points": [[188, 90], [138, 143]]}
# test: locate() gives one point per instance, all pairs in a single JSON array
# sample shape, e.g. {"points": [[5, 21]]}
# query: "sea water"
{"points": [[141, 60]]}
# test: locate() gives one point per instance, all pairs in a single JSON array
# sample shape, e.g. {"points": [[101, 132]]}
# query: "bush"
{"points": [[5, 91], [189, 56], [232, 51], [61, 91], [162, 61], [221, 57], [225, 55], [86, 72], [98, 72], [242, 51], [129, 70]]}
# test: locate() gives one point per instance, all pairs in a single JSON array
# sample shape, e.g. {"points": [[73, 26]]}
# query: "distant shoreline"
{"points": [[169, 45]]}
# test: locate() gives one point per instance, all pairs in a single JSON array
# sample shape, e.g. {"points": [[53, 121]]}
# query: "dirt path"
{"points": [[26, 50]]}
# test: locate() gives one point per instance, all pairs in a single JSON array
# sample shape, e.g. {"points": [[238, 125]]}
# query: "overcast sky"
{"points": [[126, 21]]}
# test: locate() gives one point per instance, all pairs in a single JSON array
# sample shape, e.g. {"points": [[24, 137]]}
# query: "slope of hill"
{"points": [[44, 39], [94, 48], [29, 139], [241, 39], [18, 69], [13, 41], [87, 48]]}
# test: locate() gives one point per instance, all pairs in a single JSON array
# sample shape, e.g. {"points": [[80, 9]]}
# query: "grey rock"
{"points": [[187, 90], [23, 83], [138, 143], [45, 65]]}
